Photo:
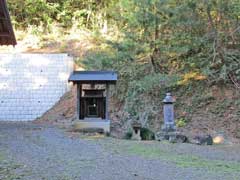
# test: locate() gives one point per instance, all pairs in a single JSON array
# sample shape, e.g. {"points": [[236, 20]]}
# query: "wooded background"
{"points": [[200, 36], [188, 47]]}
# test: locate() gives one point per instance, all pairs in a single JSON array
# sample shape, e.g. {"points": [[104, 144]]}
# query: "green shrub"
{"points": [[147, 134], [182, 122], [128, 135]]}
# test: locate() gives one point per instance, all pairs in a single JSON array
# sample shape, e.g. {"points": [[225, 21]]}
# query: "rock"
{"points": [[180, 138], [203, 140], [160, 136], [173, 137]]}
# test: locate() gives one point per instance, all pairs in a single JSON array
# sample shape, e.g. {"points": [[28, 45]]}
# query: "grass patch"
{"points": [[152, 151]]}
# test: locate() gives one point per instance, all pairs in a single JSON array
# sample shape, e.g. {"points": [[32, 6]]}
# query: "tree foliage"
{"points": [[173, 36], [187, 36], [83, 13]]}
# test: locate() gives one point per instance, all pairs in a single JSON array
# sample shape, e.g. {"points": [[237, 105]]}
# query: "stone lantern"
{"points": [[168, 114], [136, 130]]}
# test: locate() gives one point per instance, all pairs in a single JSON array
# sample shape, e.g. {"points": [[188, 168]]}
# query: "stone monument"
{"points": [[168, 114], [168, 130]]}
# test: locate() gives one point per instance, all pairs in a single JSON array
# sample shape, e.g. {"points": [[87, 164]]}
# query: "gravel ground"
{"points": [[33, 152]]}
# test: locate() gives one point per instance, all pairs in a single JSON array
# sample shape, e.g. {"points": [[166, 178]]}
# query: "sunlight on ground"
{"points": [[191, 76], [218, 140], [96, 136]]}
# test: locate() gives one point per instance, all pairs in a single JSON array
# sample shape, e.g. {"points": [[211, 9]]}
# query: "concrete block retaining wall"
{"points": [[30, 84]]}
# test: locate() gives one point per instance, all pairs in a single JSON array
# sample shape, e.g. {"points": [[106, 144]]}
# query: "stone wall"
{"points": [[30, 84]]}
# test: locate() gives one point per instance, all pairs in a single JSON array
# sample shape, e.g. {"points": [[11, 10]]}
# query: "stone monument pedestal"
{"points": [[166, 135], [173, 137]]}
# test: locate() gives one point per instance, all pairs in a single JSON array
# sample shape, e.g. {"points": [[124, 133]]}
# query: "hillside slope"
{"points": [[200, 108]]}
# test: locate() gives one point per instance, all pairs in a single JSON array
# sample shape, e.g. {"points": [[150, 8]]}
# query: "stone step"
{"points": [[83, 125]]}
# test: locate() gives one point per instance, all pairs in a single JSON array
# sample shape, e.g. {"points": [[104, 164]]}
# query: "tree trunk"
{"points": [[156, 54]]}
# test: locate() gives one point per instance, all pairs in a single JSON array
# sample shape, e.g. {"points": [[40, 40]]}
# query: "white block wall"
{"points": [[30, 84]]}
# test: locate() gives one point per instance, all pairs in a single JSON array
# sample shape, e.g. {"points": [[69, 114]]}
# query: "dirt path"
{"points": [[33, 152]]}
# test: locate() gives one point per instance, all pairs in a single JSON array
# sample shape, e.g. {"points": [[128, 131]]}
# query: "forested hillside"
{"points": [[187, 47]]}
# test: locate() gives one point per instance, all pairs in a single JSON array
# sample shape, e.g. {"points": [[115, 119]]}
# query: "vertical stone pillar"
{"points": [[107, 102], [168, 131], [168, 113]]}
